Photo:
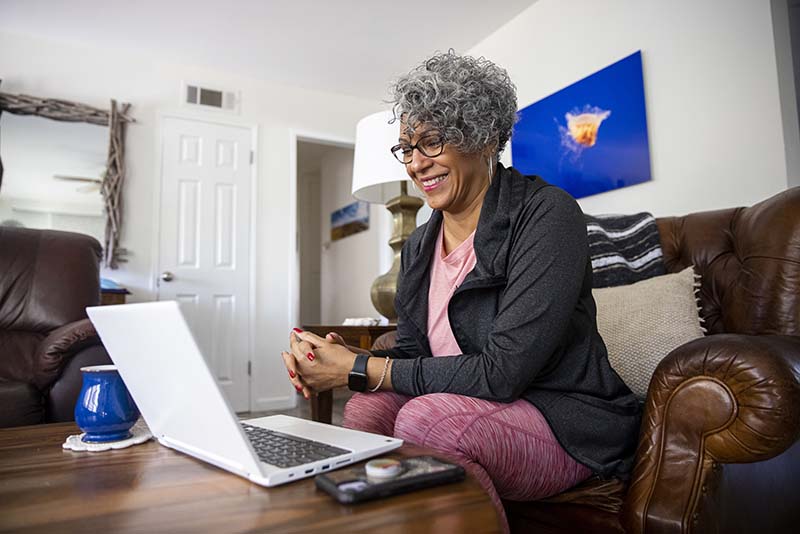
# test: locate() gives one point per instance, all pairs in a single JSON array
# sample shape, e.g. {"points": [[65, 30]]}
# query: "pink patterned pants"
{"points": [[508, 448]]}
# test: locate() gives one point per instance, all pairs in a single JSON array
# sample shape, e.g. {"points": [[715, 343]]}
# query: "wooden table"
{"points": [[358, 336], [150, 488], [109, 297]]}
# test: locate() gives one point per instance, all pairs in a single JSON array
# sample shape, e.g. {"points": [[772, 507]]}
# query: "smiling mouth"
{"points": [[433, 182]]}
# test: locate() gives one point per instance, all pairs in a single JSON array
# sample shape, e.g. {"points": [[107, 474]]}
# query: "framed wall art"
{"points": [[591, 136]]}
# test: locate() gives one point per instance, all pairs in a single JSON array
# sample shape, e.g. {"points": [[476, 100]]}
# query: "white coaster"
{"points": [[140, 434]]}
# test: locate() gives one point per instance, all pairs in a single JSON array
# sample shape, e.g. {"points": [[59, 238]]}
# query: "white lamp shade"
{"points": [[376, 172]]}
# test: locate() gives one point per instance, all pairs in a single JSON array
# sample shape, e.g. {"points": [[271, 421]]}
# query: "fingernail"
{"points": [[310, 356], [298, 388], [291, 374], [305, 395], [297, 330]]}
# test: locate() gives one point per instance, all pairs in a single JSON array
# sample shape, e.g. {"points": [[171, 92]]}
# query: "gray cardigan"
{"points": [[524, 319]]}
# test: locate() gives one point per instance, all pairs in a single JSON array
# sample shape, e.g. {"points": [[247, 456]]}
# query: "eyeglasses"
{"points": [[429, 146]]}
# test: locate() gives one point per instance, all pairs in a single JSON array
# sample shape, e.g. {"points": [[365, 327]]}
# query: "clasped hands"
{"points": [[317, 364]]}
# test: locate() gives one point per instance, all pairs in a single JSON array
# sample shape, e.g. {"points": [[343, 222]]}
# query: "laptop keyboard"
{"points": [[283, 450]]}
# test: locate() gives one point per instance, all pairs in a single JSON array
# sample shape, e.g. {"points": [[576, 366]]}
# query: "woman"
{"points": [[498, 361]]}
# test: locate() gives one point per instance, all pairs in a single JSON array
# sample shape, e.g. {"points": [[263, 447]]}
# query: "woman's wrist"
{"points": [[379, 373], [349, 367]]}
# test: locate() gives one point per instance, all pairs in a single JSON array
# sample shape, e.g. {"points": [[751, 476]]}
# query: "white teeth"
{"points": [[428, 183]]}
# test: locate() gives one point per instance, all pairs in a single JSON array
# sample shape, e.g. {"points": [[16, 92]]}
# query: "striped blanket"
{"points": [[624, 249]]}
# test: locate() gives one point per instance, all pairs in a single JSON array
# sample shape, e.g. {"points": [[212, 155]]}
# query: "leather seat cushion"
{"points": [[20, 404], [17, 355]]}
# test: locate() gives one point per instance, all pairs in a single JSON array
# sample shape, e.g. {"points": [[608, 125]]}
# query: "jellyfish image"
{"points": [[581, 130]]}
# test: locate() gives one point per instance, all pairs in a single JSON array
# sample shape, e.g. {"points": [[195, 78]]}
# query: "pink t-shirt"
{"points": [[447, 273]]}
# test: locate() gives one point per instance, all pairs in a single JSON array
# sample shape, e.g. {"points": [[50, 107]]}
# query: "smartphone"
{"points": [[352, 485]]}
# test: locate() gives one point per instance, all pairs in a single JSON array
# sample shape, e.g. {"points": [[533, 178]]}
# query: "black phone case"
{"points": [[417, 473]]}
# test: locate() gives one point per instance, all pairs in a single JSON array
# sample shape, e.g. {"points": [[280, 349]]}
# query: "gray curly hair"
{"points": [[471, 101]]}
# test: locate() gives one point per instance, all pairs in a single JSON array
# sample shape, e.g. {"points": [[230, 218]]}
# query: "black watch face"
{"points": [[357, 382]]}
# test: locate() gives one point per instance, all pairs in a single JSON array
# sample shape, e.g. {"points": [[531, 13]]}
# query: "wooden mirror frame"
{"points": [[114, 175]]}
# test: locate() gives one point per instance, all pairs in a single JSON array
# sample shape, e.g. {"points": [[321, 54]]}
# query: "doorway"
{"points": [[324, 175], [205, 242]]}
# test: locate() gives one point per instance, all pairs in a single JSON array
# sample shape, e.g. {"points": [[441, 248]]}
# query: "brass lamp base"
{"points": [[404, 210]]}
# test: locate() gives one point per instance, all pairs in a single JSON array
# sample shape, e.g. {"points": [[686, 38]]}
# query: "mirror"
{"points": [[113, 176], [52, 174]]}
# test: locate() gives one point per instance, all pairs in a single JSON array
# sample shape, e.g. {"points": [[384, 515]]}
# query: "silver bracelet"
{"points": [[383, 376]]}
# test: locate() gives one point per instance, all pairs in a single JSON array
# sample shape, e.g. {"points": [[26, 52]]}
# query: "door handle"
{"points": [[167, 276]]}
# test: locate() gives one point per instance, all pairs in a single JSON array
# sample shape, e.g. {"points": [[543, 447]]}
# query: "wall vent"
{"points": [[210, 98]]}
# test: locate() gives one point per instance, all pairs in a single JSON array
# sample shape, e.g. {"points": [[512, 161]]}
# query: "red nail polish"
{"points": [[291, 374], [297, 330], [310, 356], [298, 388]]}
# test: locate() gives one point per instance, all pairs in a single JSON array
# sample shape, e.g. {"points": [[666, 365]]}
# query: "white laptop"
{"points": [[180, 401]]}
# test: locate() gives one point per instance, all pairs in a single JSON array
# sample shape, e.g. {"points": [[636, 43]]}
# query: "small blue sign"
{"points": [[349, 220]]}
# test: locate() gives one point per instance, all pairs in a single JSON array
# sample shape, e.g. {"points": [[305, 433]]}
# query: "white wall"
{"points": [[309, 244], [711, 88], [348, 265], [94, 75]]}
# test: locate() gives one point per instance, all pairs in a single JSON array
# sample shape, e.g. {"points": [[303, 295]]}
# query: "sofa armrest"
{"points": [[385, 341], [58, 348], [724, 398]]}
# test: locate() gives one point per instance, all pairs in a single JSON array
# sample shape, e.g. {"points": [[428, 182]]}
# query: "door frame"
{"points": [[320, 138], [155, 246]]}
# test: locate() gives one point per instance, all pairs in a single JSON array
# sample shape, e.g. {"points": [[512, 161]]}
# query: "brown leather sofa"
{"points": [[47, 278], [718, 449]]}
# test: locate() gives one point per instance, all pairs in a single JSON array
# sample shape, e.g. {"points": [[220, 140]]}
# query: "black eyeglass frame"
{"points": [[397, 150]]}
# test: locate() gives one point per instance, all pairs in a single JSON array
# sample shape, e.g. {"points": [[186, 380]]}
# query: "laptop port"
{"points": [[342, 462], [324, 467], [308, 471]]}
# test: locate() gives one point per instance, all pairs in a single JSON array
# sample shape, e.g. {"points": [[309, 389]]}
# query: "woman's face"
{"points": [[450, 181]]}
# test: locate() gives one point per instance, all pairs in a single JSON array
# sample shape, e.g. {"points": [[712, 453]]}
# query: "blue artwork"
{"points": [[589, 137], [349, 220]]}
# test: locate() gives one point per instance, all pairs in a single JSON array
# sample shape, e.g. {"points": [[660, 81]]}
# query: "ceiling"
{"points": [[353, 47]]}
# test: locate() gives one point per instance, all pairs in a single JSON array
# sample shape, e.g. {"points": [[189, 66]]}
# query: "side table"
{"points": [[110, 297]]}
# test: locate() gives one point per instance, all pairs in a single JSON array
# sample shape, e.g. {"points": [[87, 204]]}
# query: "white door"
{"points": [[204, 259]]}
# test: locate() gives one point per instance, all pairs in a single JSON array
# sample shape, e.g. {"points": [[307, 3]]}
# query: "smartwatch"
{"points": [[357, 379]]}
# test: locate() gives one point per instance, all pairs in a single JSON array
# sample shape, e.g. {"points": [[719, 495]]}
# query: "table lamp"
{"points": [[379, 178]]}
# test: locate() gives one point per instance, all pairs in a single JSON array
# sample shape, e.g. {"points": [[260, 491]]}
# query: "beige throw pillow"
{"points": [[643, 322]]}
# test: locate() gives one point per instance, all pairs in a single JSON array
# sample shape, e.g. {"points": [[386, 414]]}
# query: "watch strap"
{"points": [[360, 365], [357, 380]]}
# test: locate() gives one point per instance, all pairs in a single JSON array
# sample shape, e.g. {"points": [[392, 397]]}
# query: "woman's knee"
{"points": [[434, 420], [372, 412]]}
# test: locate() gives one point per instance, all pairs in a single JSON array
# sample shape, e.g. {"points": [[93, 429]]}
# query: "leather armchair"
{"points": [[47, 279], [718, 449]]}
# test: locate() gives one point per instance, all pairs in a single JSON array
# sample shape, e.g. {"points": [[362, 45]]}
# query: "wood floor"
{"points": [[303, 408]]}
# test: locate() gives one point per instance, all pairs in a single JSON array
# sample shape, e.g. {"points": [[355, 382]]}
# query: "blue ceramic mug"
{"points": [[105, 410]]}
